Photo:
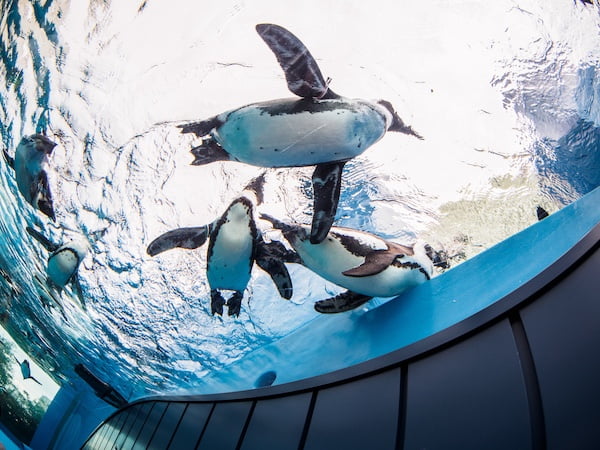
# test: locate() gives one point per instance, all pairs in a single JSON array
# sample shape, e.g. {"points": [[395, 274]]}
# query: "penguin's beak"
{"points": [[43, 144]]}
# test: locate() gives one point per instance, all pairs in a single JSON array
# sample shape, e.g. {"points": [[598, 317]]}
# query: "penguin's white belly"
{"points": [[277, 134], [230, 261], [61, 267], [330, 259]]}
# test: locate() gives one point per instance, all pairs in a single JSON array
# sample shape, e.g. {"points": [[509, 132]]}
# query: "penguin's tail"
{"points": [[201, 128], [257, 185]]}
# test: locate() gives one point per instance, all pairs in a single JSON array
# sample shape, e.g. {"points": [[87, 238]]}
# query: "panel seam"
{"points": [[531, 381], [309, 414], [205, 425], [402, 407], [246, 425]]}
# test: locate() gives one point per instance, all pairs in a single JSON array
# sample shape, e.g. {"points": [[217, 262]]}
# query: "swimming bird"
{"points": [[30, 164], [234, 244], [63, 262], [26, 370], [319, 127], [363, 263]]}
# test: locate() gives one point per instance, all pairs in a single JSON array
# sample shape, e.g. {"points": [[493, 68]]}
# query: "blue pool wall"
{"points": [[330, 343], [73, 414], [521, 373]]}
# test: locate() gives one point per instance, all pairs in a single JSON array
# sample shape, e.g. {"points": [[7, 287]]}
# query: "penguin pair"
{"points": [[30, 164], [319, 127], [366, 265], [234, 244]]}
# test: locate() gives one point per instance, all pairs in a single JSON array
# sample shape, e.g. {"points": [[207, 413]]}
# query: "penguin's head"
{"points": [[393, 121], [240, 210], [439, 258], [293, 233], [40, 143], [79, 246]]}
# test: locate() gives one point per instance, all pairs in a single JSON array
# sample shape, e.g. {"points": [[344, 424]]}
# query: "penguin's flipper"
{"points": [[327, 183], [207, 152], [302, 72], [270, 257], [190, 238], [9, 159], [201, 128], [31, 378], [46, 243], [78, 291], [275, 250], [40, 191], [375, 262], [342, 302]]}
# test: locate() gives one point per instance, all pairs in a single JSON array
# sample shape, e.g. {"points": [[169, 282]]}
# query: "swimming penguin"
{"points": [[233, 245], [26, 370], [541, 213], [102, 389], [29, 164], [365, 264], [320, 128], [63, 262]]}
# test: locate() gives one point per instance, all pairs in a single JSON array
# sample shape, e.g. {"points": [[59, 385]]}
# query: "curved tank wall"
{"points": [[330, 343]]}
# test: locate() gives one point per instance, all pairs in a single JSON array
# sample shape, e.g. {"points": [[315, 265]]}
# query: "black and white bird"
{"points": [[319, 127]]}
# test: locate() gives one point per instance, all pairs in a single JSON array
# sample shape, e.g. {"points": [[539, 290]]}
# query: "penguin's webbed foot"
{"points": [[342, 302], [234, 304], [207, 152], [216, 302]]}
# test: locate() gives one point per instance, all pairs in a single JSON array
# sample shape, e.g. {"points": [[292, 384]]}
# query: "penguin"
{"points": [[26, 370], [14, 288], [63, 262], [102, 389], [541, 213], [318, 128], [234, 244], [366, 265], [29, 164]]}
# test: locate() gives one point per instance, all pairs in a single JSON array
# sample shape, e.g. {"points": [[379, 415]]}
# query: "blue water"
{"points": [[510, 123]]}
